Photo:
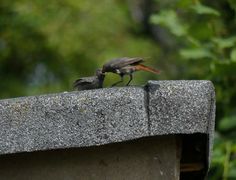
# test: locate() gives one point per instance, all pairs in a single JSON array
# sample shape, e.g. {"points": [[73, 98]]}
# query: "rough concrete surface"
{"points": [[74, 119], [181, 107], [102, 116]]}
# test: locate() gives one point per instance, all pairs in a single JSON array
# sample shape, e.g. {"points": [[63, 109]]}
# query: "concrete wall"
{"points": [[144, 159]]}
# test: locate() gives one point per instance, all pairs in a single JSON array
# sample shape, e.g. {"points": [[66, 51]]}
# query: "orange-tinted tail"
{"points": [[146, 68]]}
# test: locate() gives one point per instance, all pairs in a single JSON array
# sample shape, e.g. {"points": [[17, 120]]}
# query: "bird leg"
{"points": [[122, 79], [130, 79]]}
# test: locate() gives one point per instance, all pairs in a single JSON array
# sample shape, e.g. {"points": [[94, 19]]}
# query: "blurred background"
{"points": [[46, 45]]}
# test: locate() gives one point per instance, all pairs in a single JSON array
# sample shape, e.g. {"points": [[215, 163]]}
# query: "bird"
{"points": [[91, 82], [126, 66]]}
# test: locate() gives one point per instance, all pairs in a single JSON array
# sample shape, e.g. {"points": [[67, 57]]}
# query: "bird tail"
{"points": [[146, 68]]}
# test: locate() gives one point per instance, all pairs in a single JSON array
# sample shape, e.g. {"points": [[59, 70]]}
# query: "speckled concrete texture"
{"points": [[103, 116], [75, 119], [181, 107]]}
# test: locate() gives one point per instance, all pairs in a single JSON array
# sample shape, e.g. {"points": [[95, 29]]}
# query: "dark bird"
{"points": [[126, 66], [91, 82]]}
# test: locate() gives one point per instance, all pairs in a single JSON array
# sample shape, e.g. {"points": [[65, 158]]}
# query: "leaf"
{"points": [[232, 4], [225, 42], [203, 9], [184, 3], [170, 20], [228, 123], [233, 55], [232, 170], [218, 156], [195, 53], [226, 69]]}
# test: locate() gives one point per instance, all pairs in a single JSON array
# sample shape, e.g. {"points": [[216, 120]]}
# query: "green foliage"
{"points": [[210, 41], [46, 45], [195, 53], [202, 9], [227, 123], [169, 19]]}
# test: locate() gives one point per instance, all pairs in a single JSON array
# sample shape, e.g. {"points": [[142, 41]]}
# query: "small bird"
{"points": [[91, 82], [126, 66]]}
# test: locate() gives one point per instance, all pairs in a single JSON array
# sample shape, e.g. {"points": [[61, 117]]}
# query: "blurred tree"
{"points": [[45, 45], [204, 32], [24, 52]]}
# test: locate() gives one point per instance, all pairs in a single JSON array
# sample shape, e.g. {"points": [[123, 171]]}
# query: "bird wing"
{"points": [[84, 81], [122, 62]]}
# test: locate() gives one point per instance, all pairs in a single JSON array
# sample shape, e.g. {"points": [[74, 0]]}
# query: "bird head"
{"points": [[100, 74]]}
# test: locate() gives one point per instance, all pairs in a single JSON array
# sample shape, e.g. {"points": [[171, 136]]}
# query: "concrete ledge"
{"points": [[75, 119], [103, 116], [181, 107]]}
